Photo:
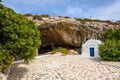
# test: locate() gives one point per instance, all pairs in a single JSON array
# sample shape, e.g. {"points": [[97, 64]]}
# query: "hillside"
{"points": [[69, 32]]}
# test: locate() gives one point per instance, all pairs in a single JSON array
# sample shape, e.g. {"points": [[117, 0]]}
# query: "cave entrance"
{"points": [[45, 49]]}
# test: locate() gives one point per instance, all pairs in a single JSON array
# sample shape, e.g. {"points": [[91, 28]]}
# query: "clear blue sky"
{"points": [[100, 9]]}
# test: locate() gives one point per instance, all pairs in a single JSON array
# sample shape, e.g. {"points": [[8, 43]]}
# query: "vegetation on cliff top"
{"points": [[20, 37], [83, 20], [39, 17]]}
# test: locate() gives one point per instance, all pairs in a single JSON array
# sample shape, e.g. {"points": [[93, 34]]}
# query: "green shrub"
{"points": [[37, 17], [67, 17], [44, 15], [118, 22], [28, 15], [64, 51], [19, 37], [62, 23], [60, 16], [83, 20], [110, 50], [5, 59], [111, 35], [108, 35]]}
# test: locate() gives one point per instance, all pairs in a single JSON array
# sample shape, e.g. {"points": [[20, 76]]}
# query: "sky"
{"points": [[94, 9]]}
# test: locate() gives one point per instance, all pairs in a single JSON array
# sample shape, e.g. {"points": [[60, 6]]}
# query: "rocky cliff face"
{"points": [[60, 31]]}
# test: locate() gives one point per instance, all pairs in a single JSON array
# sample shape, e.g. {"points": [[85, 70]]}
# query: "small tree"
{"points": [[108, 35], [110, 50], [19, 37]]}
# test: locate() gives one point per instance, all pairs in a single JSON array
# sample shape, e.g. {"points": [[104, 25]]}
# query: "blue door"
{"points": [[92, 52]]}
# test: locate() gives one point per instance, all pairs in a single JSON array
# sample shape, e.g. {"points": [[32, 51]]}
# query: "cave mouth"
{"points": [[49, 48], [45, 49]]}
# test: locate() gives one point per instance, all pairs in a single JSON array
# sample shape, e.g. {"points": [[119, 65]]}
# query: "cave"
{"points": [[51, 47], [42, 50]]}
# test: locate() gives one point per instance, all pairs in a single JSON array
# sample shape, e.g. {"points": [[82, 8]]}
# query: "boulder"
{"points": [[72, 52]]}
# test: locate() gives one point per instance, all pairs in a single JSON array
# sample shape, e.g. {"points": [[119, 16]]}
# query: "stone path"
{"points": [[70, 67]]}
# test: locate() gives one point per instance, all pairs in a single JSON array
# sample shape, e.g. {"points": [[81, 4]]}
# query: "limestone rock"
{"points": [[60, 31], [72, 52]]}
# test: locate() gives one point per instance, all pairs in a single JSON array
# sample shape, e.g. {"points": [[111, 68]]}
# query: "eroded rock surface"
{"points": [[62, 31]]}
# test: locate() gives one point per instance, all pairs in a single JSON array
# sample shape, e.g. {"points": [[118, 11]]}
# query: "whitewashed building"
{"points": [[91, 48]]}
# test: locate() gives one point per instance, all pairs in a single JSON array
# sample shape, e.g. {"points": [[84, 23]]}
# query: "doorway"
{"points": [[92, 52]]}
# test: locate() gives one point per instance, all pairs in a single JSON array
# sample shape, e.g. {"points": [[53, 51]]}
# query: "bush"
{"points": [[5, 59], [110, 50], [60, 16], [62, 23], [67, 17], [118, 22], [64, 51], [44, 15], [28, 15], [19, 37], [37, 17], [108, 35], [111, 35], [83, 20]]}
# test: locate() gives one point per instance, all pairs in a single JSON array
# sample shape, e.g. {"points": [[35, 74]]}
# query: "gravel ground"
{"points": [[70, 67]]}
